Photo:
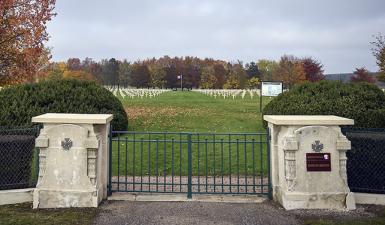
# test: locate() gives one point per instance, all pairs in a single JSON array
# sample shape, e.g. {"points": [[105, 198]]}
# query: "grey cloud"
{"points": [[335, 32]]}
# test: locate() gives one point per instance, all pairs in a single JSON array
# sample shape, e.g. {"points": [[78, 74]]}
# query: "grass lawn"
{"points": [[188, 111], [24, 214]]}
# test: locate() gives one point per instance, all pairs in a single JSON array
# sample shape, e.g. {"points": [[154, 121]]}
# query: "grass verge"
{"points": [[24, 214]]}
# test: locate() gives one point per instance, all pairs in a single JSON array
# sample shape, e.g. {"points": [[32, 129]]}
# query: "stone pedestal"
{"points": [[72, 161], [308, 162]]}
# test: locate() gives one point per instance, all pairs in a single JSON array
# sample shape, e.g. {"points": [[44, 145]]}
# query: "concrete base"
{"points": [[339, 201], [373, 199], [183, 198], [15, 196], [46, 198]]}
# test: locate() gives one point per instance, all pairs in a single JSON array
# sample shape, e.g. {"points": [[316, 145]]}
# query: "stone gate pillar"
{"points": [[73, 160], [308, 162]]}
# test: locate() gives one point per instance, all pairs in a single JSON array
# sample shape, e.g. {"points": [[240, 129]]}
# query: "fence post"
{"points": [[189, 181], [73, 160], [308, 163], [109, 192], [270, 193]]}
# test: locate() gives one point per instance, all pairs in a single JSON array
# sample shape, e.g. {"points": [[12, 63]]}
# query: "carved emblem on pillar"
{"points": [[317, 146], [66, 144]]}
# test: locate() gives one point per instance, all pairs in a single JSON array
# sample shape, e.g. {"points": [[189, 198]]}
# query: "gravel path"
{"points": [[170, 213]]}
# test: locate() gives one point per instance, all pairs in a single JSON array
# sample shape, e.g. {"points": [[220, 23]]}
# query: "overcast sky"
{"points": [[335, 32]]}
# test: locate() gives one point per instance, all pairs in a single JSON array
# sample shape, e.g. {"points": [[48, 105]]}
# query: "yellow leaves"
{"points": [[62, 66], [77, 74]]}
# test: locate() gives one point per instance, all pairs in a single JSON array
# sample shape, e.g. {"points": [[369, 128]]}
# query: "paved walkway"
{"points": [[170, 213]]}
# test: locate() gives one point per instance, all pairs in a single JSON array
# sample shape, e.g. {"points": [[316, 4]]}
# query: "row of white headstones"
{"points": [[136, 93], [215, 93], [229, 93]]}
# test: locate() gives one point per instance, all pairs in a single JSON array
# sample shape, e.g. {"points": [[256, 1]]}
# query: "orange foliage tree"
{"points": [[22, 36], [290, 71]]}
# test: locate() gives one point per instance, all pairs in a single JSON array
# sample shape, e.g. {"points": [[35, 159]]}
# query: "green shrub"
{"points": [[22, 102], [365, 103]]}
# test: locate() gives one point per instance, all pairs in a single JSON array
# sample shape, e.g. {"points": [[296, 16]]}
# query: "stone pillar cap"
{"points": [[314, 120], [73, 118]]}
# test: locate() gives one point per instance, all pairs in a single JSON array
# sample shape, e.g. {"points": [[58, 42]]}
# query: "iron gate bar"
{"points": [[214, 150], [270, 189], [189, 191]]}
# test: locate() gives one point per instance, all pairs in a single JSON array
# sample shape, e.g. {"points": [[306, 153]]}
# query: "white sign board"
{"points": [[271, 88]]}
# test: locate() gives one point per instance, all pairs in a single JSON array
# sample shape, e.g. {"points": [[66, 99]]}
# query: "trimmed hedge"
{"points": [[365, 103], [22, 102]]}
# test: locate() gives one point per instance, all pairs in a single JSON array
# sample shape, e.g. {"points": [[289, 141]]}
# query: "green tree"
{"points": [[157, 73], [110, 71], [266, 68], [124, 73], [252, 70], [253, 82]]}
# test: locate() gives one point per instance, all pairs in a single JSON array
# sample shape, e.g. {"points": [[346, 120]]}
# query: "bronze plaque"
{"points": [[316, 162]]}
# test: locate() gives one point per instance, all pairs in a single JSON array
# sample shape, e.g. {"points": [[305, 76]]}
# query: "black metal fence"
{"points": [[18, 157], [366, 160], [191, 163]]}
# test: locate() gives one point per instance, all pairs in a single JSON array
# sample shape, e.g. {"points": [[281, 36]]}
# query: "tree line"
{"points": [[197, 73]]}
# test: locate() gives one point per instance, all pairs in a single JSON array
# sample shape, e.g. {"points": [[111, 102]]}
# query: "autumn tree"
{"points": [[192, 76], [56, 70], [208, 78], [22, 36], [362, 75], [240, 74], [231, 81], [171, 78], [290, 71], [140, 75], [220, 73], [313, 69], [378, 51]]}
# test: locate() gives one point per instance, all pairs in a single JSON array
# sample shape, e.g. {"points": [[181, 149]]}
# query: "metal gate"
{"points": [[191, 163]]}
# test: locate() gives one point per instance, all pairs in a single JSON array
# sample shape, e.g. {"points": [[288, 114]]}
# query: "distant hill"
{"points": [[345, 77]]}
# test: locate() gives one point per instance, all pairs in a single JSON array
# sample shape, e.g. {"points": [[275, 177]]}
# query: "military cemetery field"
{"points": [[190, 111]]}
